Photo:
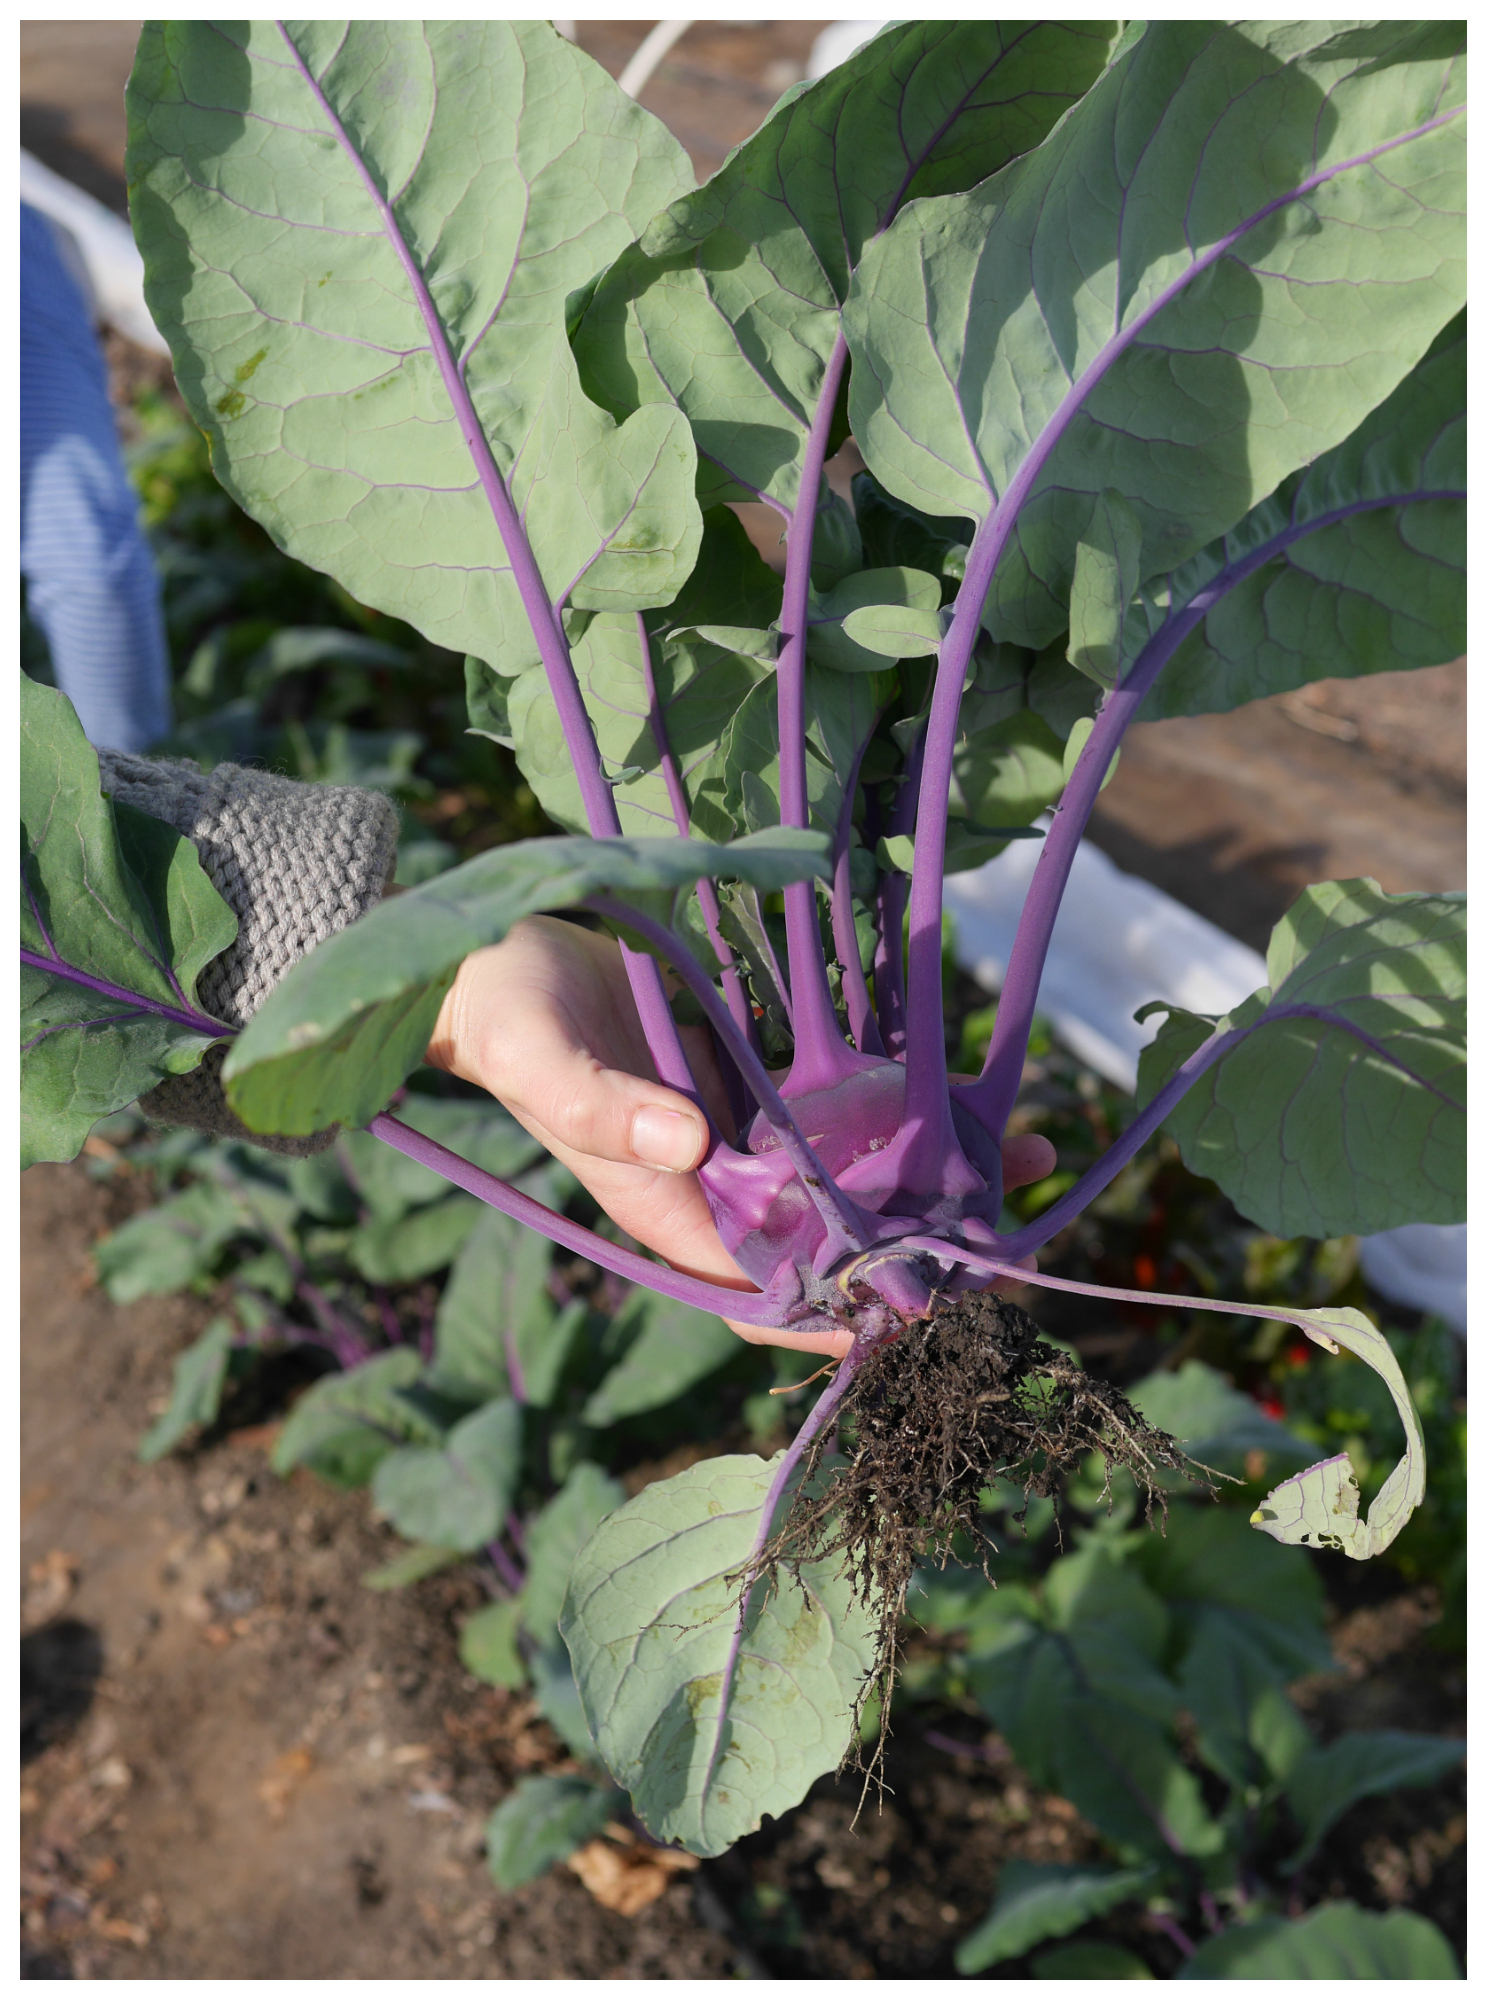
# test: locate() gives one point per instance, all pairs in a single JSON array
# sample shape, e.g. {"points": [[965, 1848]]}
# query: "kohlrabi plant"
{"points": [[1151, 341]]}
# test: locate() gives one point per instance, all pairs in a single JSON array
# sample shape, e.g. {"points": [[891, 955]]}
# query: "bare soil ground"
{"points": [[241, 1763]]}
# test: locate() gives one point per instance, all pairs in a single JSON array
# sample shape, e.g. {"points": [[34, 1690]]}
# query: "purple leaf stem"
{"points": [[505, 1568], [517, 1533], [547, 626], [925, 1100], [847, 1228], [991, 1098], [681, 812], [1170, 1928], [185, 1017], [826, 1403], [893, 896], [822, 1057], [753, 1308], [391, 1324]]}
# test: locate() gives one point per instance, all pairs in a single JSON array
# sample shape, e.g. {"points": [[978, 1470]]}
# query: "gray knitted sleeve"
{"points": [[295, 863]]}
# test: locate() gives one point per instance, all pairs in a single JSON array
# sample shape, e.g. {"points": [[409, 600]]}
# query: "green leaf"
{"points": [[497, 1292], [389, 1184], [652, 1608], [411, 1566], [360, 241], [893, 533], [459, 1495], [196, 1393], [729, 303], [488, 1645], [1337, 1941], [842, 710], [1249, 1730], [588, 1496], [907, 599], [1165, 303], [1078, 736], [170, 1246], [675, 1347], [1343, 1109], [699, 683], [1009, 772], [556, 1689], [428, 1240], [1081, 1698], [353, 1018], [345, 1423], [1357, 578], [1363, 1764], [1319, 1507], [1037, 1900], [1091, 1960], [541, 1822], [1107, 570], [1213, 1421], [1207, 1560], [117, 896]]}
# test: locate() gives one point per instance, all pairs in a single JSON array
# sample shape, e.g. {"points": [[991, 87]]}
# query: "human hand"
{"points": [[545, 1022]]}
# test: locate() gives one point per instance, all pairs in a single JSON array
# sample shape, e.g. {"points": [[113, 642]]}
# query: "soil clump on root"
{"points": [[932, 1418]]}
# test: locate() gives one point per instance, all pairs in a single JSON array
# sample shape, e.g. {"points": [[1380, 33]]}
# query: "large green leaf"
{"points": [[1343, 1109], [110, 895], [541, 1821], [427, 1240], [1213, 1421], [456, 1494], [351, 1019], [1363, 1764], [1339, 571], [360, 240], [729, 304], [1038, 1900], [674, 1347], [1206, 1561], [1337, 1941], [1236, 244], [651, 1615]]}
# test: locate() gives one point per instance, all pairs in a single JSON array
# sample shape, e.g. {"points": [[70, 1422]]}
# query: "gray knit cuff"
{"points": [[294, 862]]}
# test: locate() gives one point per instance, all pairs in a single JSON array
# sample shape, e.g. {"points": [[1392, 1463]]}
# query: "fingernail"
{"points": [[668, 1139]]}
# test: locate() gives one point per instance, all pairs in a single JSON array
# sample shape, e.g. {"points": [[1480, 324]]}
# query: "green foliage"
{"points": [[352, 451], [1337, 1941], [1343, 1108], [121, 898], [1142, 254], [1322, 1784], [542, 1821], [455, 1494], [706, 1739], [1038, 1900], [196, 1395]]}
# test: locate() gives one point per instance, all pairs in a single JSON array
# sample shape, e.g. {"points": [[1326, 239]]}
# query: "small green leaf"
{"points": [[345, 1423], [554, 1538], [1037, 1900], [651, 1613], [883, 606], [428, 1240], [557, 1694], [170, 1246], [196, 1395], [1363, 1764], [1213, 1421], [347, 1023], [411, 1566], [497, 1292], [488, 1644], [1079, 735], [457, 1496], [541, 1822], [1337, 1941]]}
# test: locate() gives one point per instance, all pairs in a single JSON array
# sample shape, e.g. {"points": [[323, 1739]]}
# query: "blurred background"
{"points": [[241, 1763]]}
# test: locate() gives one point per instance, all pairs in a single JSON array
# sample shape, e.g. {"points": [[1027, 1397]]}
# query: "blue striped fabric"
{"points": [[90, 580]]}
